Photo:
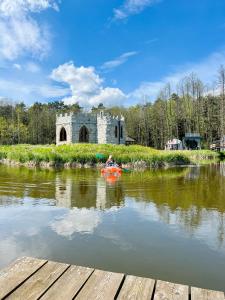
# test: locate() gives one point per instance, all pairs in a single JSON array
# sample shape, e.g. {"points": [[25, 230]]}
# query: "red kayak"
{"points": [[111, 170]]}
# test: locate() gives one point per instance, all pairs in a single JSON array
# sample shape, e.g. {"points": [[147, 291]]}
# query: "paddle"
{"points": [[126, 170], [100, 156]]}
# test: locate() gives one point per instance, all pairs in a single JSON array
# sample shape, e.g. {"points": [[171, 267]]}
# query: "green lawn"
{"points": [[87, 153]]}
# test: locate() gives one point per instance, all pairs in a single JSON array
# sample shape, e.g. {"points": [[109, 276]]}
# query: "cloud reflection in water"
{"points": [[76, 221]]}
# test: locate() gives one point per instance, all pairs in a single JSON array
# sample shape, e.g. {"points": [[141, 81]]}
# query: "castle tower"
{"points": [[64, 129], [111, 130], [63, 191]]}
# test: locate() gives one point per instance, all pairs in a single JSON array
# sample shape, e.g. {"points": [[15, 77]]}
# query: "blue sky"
{"points": [[114, 51]]}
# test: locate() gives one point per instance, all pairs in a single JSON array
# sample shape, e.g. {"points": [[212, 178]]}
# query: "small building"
{"points": [[215, 146], [130, 141], [218, 145], [98, 128], [192, 141], [174, 144]]}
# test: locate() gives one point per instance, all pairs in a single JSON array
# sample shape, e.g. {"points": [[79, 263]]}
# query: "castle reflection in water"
{"points": [[89, 194]]}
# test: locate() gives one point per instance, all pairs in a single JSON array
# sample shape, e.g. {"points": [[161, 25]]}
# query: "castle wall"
{"points": [[107, 126], [101, 128], [111, 128], [88, 120]]}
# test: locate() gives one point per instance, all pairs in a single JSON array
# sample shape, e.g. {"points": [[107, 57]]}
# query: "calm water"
{"points": [[167, 224]]}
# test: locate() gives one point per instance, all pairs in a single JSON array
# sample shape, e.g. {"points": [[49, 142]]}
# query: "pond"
{"points": [[165, 224]]}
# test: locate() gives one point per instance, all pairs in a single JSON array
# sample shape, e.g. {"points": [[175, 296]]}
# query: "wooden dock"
{"points": [[31, 278]]}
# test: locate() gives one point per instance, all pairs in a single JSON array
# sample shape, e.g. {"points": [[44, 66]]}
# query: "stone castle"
{"points": [[98, 128]]}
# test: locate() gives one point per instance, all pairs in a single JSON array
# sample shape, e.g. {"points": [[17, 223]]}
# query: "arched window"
{"points": [[116, 131], [84, 135], [121, 132], [63, 135]]}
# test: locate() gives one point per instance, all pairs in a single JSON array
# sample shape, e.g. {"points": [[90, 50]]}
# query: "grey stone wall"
{"points": [[107, 127], [101, 128], [102, 122], [87, 120], [64, 120], [115, 124]]}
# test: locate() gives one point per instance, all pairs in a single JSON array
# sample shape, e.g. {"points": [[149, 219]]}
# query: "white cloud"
{"points": [[33, 67], [109, 96], [29, 67], [12, 7], [151, 41], [22, 35], [147, 90], [112, 64], [132, 7], [206, 70], [17, 66], [20, 32], [86, 86], [82, 81]]}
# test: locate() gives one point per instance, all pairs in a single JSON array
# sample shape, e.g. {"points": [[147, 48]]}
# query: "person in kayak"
{"points": [[110, 162]]}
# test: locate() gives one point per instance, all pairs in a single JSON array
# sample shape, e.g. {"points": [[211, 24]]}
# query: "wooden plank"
{"points": [[202, 294], [69, 284], [30, 278], [16, 273], [136, 288], [37, 284], [101, 285], [170, 291]]}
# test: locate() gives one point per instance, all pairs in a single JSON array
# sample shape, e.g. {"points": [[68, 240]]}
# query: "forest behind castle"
{"points": [[194, 107]]}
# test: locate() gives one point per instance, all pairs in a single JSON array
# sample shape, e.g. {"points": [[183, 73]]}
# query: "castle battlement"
{"points": [[62, 115], [108, 116]]}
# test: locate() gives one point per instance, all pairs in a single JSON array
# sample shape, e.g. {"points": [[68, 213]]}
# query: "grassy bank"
{"points": [[86, 154]]}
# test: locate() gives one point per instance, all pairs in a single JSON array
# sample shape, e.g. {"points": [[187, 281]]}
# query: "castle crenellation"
{"points": [[101, 128]]}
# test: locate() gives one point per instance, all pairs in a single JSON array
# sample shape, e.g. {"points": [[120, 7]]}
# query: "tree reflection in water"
{"points": [[191, 199]]}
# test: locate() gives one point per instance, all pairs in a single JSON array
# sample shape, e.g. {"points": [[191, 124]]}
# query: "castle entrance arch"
{"points": [[63, 135], [84, 135]]}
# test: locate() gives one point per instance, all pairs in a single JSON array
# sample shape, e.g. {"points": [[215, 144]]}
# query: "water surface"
{"points": [[166, 224]]}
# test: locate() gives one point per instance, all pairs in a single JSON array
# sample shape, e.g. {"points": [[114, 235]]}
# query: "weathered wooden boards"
{"points": [[35, 286], [69, 284], [171, 291], [201, 294], [101, 285], [136, 288], [30, 278], [14, 275]]}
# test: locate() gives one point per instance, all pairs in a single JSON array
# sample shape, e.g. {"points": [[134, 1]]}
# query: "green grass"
{"points": [[87, 153]]}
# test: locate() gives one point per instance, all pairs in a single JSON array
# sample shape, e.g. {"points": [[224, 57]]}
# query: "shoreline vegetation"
{"points": [[87, 156]]}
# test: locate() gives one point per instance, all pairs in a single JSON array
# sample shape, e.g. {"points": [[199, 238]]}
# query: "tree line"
{"points": [[194, 107]]}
